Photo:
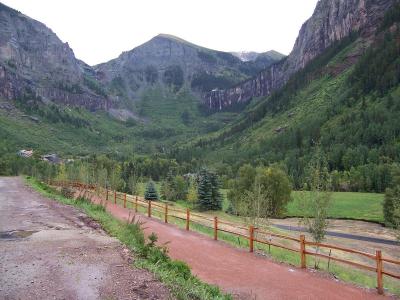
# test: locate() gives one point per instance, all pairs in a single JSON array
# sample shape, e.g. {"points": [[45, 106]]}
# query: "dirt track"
{"points": [[243, 274], [53, 251]]}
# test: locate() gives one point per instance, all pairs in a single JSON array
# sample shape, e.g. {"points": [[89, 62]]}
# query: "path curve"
{"points": [[245, 275]]}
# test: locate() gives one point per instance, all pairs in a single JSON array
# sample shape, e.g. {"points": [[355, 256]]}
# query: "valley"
{"points": [[305, 143]]}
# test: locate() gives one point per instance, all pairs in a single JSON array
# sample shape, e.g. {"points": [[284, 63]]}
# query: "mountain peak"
{"points": [[176, 39], [169, 36]]}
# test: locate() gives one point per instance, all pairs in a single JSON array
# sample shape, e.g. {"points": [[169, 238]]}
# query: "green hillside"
{"points": [[164, 119], [350, 112]]}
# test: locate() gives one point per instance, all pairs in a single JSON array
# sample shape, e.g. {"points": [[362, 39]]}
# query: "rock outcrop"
{"points": [[331, 21], [36, 64]]}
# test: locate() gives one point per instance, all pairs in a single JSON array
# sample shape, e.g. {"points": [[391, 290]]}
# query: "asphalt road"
{"points": [[342, 235]]}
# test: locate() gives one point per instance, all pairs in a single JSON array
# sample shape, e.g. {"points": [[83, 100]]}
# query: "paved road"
{"points": [[53, 251], [342, 235], [243, 274]]}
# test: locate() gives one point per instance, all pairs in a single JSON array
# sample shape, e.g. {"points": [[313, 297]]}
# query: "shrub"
{"points": [[391, 204]]}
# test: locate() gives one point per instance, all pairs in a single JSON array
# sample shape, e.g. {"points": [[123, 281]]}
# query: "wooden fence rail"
{"points": [[252, 234]]}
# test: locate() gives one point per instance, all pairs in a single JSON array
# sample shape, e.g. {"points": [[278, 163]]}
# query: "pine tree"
{"points": [[209, 196], [204, 190], [151, 192]]}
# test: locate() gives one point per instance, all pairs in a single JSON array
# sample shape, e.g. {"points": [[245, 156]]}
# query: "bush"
{"points": [[391, 204], [391, 207]]}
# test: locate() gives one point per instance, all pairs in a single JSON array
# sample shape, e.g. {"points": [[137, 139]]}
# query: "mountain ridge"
{"points": [[330, 22], [37, 67], [173, 62]]}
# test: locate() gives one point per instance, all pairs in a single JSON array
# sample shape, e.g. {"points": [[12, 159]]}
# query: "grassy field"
{"points": [[345, 205]]}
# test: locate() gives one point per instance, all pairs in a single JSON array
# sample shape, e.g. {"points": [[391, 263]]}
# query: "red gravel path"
{"points": [[246, 275]]}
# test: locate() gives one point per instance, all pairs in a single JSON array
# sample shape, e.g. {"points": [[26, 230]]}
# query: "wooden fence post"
{"points": [[136, 204], [303, 251], [379, 270], [187, 218], [166, 213], [215, 228], [125, 200], [251, 238], [107, 195], [149, 209], [115, 197]]}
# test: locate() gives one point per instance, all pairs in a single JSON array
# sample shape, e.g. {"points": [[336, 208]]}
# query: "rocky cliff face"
{"points": [[167, 60], [35, 63], [331, 21]]}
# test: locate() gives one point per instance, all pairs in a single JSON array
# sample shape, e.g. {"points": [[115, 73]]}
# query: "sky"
{"points": [[99, 30]]}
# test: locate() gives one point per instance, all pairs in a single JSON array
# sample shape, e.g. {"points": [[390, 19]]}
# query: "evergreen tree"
{"points": [[204, 190], [151, 191], [209, 196]]}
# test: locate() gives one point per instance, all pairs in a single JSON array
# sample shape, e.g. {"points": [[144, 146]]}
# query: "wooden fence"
{"points": [[250, 233]]}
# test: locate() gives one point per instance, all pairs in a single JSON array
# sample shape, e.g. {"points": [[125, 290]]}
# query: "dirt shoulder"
{"points": [[53, 251]]}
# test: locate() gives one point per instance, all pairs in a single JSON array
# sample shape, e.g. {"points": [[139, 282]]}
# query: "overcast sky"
{"points": [[99, 30]]}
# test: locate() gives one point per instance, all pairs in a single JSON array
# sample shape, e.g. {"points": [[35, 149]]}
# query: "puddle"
{"points": [[16, 234]]}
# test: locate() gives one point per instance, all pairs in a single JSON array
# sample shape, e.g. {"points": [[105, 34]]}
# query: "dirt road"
{"points": [[243, 274], [52, 251]]}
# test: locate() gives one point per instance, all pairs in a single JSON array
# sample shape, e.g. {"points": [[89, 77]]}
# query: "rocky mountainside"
{"points": [[268, 57], [36, 65], [173, 62], [246, 55], [331, 21]]}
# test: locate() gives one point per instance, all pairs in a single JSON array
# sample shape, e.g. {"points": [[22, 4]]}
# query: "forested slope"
{"points": [[351, 110]]}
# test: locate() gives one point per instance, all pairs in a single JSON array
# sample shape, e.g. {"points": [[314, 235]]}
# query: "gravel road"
{"points": [[53, 251]]}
